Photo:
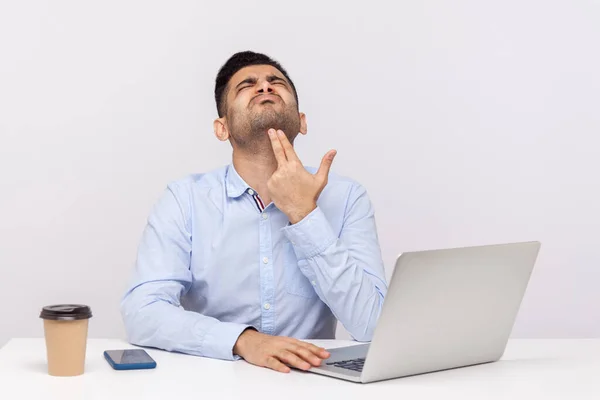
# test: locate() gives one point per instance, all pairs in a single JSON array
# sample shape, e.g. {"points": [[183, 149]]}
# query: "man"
{"points": [[238, 262]]}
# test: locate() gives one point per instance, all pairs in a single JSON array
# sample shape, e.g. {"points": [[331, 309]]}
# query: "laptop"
{"points": [[444, 309]]}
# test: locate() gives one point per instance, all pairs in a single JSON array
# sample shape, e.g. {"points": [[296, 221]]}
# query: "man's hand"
{"points": [[293, 189], [276, 351]]}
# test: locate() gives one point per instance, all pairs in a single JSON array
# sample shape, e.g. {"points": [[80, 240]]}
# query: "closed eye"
{"points": [[246, 83], [274, 79]]}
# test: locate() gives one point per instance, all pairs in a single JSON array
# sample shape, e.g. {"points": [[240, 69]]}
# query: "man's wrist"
{"points": [[240, 342], [298, 215]]}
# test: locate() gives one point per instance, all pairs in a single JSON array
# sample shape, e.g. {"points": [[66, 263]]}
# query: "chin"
{"points": [[271, 116], [268, 118]]}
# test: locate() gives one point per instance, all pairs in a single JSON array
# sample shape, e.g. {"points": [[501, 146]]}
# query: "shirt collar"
{"points": [[234, 183]]}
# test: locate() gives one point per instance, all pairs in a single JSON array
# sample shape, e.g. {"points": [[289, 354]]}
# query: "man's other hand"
{"points": [[277, 352], [293, 189]]}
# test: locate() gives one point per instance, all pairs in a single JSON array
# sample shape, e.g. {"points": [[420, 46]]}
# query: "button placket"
{"points": [[267, 279]]}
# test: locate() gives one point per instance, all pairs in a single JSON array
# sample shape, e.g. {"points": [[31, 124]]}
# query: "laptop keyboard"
{"points": [[354, 365]]}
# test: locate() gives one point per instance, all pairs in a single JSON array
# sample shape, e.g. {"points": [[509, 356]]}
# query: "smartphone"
{"points": [[129, 359]]}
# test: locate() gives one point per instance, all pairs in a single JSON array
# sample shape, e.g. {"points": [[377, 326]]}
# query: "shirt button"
{"points": [[265, 216], [313, 283], [265, 260], [267, 306], [250, 192]]}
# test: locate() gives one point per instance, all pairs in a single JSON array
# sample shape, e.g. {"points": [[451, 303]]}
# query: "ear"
{"points": [[303, 127], [220, 127]]}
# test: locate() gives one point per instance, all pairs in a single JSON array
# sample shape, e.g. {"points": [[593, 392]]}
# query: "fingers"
{"points": [[315, 353], [318, 351], [280, 353], [292, 359], [325, 166], [277, 365], [290, 153], [309, 356], [277, 147]]}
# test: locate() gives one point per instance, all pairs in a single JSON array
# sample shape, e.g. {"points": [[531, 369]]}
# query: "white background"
{"points": [[469, 122]]}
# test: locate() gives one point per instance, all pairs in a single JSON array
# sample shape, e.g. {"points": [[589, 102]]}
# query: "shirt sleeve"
{"points": [[347, 270], [151, 308]]}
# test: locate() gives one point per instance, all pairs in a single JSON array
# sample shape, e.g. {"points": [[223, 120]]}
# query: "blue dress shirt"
{"points": [[214, 261]]}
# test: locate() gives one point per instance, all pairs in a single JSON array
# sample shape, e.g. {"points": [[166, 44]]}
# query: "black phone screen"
{"points": [[130, 356]]}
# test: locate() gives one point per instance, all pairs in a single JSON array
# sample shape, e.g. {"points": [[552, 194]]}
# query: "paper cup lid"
{"points": [[66, 312]]}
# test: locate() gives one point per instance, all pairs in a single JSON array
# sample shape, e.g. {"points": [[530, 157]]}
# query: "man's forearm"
{"points": [[353, 296], [346, 281], [151, 320]]}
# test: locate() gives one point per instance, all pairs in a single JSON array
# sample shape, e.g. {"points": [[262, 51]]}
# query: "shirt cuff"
{"points": [[220, 339], [310, 236]]}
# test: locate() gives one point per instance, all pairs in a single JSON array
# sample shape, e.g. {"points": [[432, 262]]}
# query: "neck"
{"points": [[255, 170]]}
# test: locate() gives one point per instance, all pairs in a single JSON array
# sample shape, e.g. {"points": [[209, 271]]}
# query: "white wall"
{"points": [[468, 122]]}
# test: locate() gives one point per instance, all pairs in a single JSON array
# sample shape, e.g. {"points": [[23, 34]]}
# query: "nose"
{"points": [[264, 87]]}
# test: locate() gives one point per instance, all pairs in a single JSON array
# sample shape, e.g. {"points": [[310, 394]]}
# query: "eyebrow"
{"points": [[272, 78], [252, 80]]}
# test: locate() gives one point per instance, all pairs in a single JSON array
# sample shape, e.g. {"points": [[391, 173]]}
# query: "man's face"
{"points": [[259, 98]]}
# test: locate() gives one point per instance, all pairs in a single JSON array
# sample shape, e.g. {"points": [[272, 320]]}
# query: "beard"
{"points": [[248, 130]]}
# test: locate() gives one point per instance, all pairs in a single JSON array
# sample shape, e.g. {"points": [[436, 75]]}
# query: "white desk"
{"points": [[530, 369]]}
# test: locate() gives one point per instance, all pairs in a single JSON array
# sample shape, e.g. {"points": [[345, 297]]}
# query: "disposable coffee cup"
{"points": [[66, 329]]}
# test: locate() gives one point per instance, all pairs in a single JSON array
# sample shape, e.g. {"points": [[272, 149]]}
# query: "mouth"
{"points": [[265, 98]]}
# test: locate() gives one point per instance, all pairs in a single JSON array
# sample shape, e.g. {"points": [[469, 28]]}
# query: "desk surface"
{"points": [[530, 369]]}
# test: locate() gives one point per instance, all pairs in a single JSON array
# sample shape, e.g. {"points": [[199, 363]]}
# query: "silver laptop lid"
{"points": [[449, 308]]}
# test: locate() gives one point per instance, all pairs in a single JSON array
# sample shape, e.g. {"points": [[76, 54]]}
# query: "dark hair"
{"points": [[233, 65]]}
